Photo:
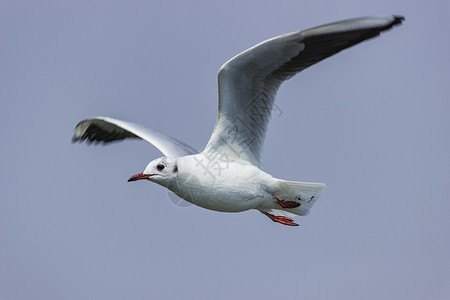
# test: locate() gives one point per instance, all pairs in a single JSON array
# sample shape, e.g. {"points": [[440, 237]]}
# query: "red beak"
{"points": [[139, 177]]}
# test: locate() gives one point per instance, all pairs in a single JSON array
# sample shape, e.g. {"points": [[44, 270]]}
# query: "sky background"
{"points": [[371, 122]]}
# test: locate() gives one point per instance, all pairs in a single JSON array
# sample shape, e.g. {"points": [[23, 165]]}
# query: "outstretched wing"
{"points": [[104, 129], [249, 81]]}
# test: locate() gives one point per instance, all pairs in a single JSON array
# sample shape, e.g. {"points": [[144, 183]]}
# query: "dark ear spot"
{"points": [[175, 169]]}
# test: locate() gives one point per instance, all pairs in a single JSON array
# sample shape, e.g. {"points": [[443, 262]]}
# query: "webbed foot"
{"points": [[281, 219], [288, 204]]}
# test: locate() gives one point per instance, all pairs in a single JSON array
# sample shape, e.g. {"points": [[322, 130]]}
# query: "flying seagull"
{"points": [[227, 175]]}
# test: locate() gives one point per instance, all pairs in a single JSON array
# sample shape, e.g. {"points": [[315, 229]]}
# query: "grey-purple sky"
{"points": [[371, 122]]}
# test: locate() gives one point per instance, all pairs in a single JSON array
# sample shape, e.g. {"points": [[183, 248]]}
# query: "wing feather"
{"points": [[249, 82], [106, 130]]}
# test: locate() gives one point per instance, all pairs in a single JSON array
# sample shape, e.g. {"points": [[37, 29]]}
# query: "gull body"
{"points": [[231, 186], [227, 175]]}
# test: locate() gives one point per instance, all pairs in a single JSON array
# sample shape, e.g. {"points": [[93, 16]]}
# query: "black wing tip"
{"points": [[88, 141], [91, 138], [91, 132], [81, 140], [398, 19]]}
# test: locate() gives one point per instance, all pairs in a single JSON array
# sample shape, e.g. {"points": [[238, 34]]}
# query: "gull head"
{"points": [[161, 170]]}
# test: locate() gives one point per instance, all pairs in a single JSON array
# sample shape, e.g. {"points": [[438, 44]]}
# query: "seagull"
{"points": [[228, 176]]}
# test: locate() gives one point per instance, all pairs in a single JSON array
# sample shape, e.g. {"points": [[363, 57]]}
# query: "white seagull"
{"points": [[227, 175]]}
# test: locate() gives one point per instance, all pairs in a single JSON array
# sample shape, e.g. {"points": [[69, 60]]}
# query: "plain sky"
{"points": [[371, 122]]}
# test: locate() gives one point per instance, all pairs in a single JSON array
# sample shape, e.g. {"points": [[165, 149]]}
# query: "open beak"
{"points": [[139, 177]]}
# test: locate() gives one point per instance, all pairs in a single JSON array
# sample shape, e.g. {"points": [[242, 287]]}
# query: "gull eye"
{"points": [[160, 167]]}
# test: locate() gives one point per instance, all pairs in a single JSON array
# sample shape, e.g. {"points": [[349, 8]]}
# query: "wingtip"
{"points": [[78, 134], [77, 139], [398, 19]]}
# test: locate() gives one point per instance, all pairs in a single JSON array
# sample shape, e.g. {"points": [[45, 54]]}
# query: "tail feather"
{"points": [[304, 193]]}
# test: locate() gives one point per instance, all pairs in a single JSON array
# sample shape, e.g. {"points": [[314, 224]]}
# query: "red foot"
{"points": [[288, 204], [281, 219]]}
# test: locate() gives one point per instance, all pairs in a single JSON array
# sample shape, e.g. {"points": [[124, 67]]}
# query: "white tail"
{"points": [[304, 193]]}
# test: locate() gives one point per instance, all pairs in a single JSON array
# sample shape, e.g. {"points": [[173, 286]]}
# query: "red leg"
{"points": [[281, 219], [288, 204]]}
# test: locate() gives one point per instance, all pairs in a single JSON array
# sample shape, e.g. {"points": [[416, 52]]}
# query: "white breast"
{"points": [[221, 185]]}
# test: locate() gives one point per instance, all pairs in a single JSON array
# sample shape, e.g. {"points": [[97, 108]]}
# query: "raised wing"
{"points": [[104, 129], [248, 82]]}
